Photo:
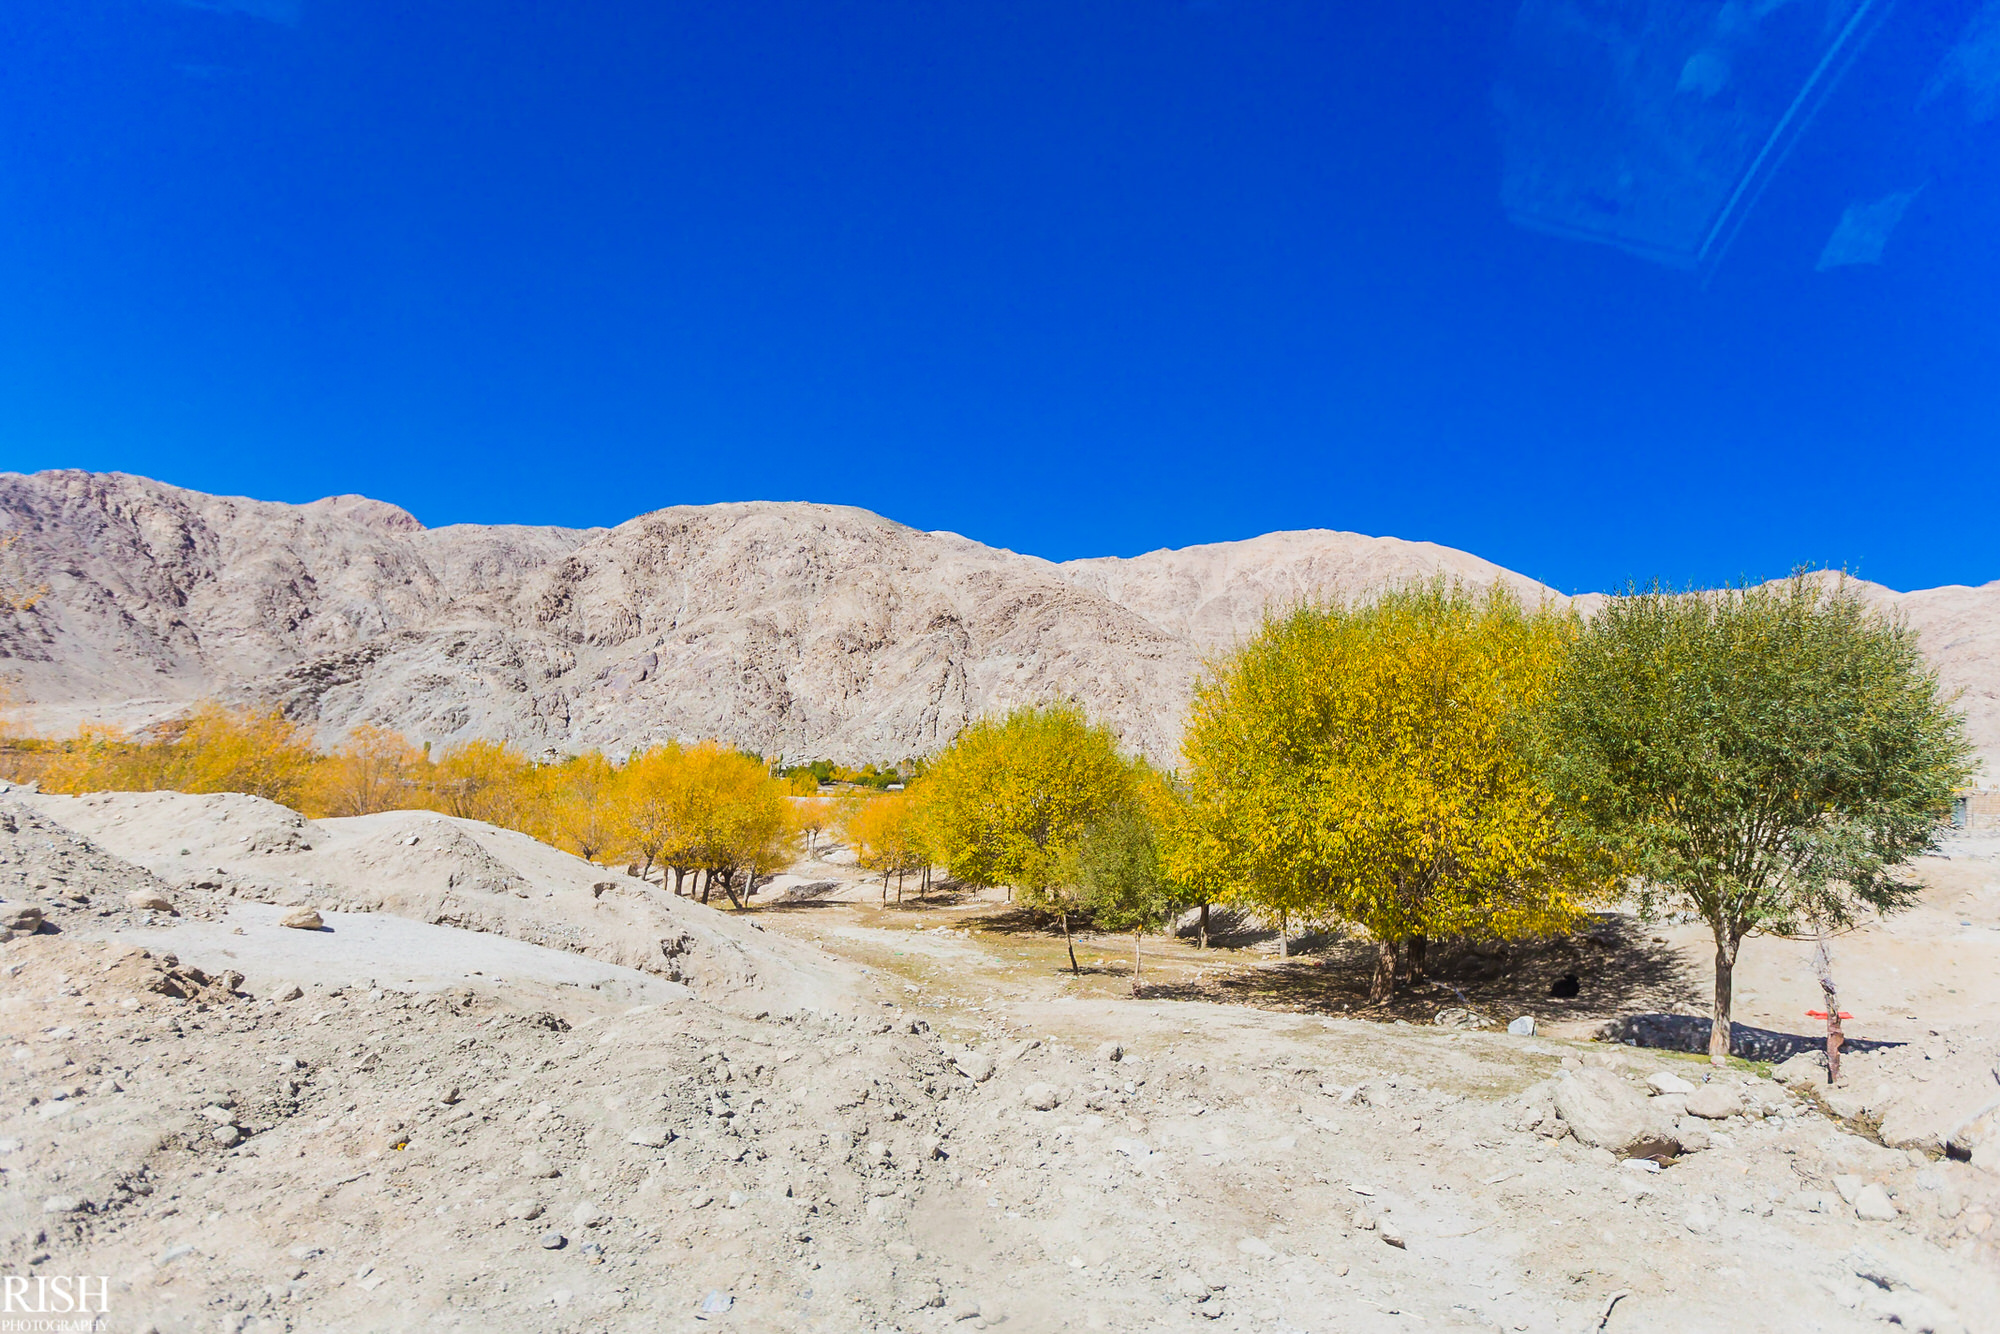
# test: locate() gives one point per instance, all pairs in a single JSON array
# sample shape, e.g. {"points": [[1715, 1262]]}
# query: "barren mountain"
{"points": [[799, 629]]}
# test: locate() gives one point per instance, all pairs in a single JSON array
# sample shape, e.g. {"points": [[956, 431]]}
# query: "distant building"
{"points": [[1976, 811]]}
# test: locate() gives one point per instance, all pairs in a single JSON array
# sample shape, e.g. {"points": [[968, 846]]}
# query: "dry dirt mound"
{"points": [[448, 872]]}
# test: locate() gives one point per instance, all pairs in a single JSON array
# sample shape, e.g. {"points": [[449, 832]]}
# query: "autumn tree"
{"points": [[1382, 764], [656, 807], [1010, 796], [1770, 757], [577, 806], [744, 823], [888, 836], [814, 816], [211, 749], [374, 769], [102, 758], [482, 780]]}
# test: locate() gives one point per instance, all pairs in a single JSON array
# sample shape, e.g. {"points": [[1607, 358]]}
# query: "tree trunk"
{"points": [[1138, 937], [1823, 964], [1383, 985], [1072, 945], [729, 888], [1284, 935], [707, 878], [1204, 926], [1419, 943], [680, 875], [1725, 972]]}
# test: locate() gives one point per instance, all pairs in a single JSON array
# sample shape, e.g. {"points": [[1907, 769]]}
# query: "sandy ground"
{"points": [[447, 1129]]}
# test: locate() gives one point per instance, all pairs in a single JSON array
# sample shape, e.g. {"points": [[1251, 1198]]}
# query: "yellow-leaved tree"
{"points": [[1008, 799], [1382, 764], [482, 780], [374, 769], [743, 820], [814, 816], [654, 808], [888, 836], [577, 807]]}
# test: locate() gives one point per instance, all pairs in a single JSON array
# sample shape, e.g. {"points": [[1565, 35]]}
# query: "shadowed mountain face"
{"points": [[795, 629]]}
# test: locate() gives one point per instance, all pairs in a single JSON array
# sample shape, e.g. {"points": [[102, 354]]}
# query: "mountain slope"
{"points": [[795, 629]]}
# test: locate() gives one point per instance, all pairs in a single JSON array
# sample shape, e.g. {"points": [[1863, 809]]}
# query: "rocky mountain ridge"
{"points": [[788, 628]]}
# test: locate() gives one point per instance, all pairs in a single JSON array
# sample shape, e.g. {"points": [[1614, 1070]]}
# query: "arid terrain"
{"points": [[472, 1099], [799, 630], [409, 1071]]}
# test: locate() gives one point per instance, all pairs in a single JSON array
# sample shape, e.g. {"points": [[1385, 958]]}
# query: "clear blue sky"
{"points": [[1069, 278]]}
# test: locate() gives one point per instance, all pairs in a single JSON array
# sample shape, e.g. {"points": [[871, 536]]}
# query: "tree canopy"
{"points": [[1382, 764], [1769, 757], [1010, 795]]}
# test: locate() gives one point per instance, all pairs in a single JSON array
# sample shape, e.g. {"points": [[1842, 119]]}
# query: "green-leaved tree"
{"points": [[1120, 879], [1769, 757]]}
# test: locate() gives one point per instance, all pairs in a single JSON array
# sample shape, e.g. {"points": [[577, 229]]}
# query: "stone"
{"points": [[1042, 1097], [302, 919], [554, 1241], [1523, 1027], [534, 1166], [149, 900], [651, 1137], [588, 1215], [1188, 1284], [1605, 1112], [1458, 1017], [524, 1209], [1872, 1202], [1714, 1101], [62, 1204], [974, 1065], [25, 918], [1393, 1237], [221, 1116], [716, 1303], [1849, 1186], [1665, 1081], [227, 1136], [289, 992], [1109, 1051], [1256, 1248], [1805, 1070]]}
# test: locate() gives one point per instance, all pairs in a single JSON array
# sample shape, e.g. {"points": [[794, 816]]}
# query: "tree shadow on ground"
{"points": [[942, 894], [1618, 965]]}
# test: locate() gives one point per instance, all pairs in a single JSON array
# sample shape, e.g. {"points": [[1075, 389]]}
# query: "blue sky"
{"points": [[1074, 279]]}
